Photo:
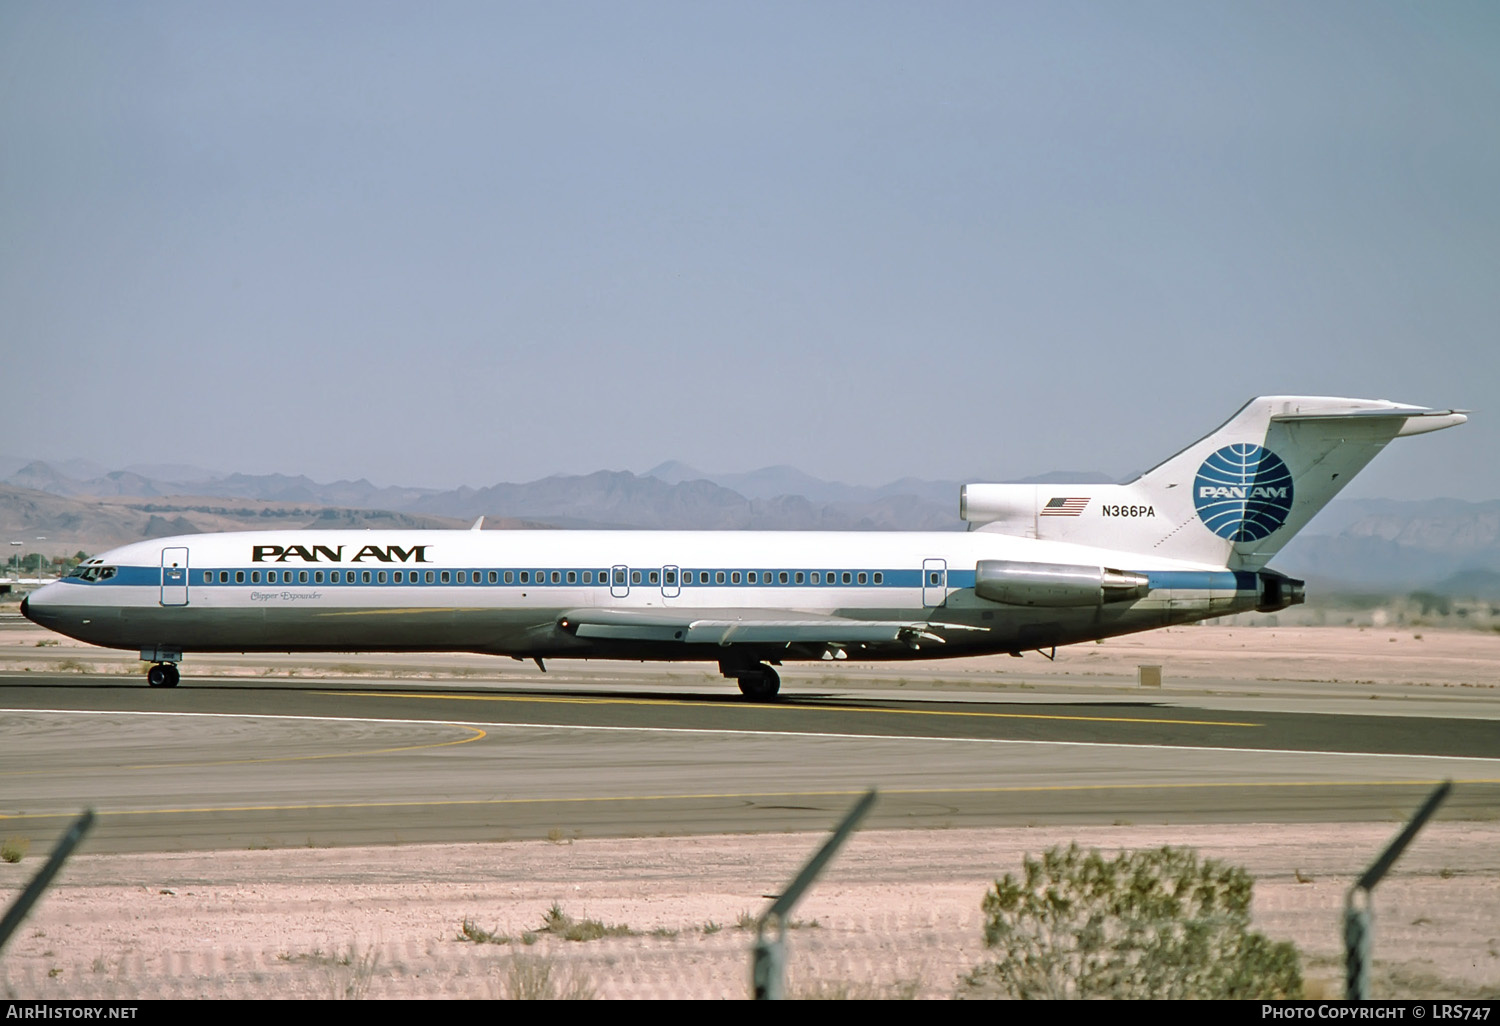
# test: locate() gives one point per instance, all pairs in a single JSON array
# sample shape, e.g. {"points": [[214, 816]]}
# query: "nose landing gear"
{"points": [[165, 657], [163, 675]]}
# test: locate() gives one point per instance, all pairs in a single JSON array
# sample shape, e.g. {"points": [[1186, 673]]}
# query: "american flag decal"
{"points": [[1064, 507]]}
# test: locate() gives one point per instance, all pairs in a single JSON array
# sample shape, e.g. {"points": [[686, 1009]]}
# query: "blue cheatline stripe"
{"points": [[538, 577], [541, 577]]}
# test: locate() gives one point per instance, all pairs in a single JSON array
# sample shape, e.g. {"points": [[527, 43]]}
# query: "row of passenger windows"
{"points": [[617, 577]]}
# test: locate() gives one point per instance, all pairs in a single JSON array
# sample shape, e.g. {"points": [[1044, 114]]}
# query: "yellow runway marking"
{"points": [[659, 702], [743, 796], [477, 735]]}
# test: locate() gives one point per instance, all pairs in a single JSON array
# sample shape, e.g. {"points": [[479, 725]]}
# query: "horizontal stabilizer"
{"points": [[1417, 422]]}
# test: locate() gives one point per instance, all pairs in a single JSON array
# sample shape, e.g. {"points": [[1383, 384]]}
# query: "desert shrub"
{"points": [[539, 979], [558, 923], [472, 931], [1432, 603], [1148, 924]]}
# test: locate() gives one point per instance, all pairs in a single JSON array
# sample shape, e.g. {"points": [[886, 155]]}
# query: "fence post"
{"points": [[1359, 916], [33, 891], [768, 957]]}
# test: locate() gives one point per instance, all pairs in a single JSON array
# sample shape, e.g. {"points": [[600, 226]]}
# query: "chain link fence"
{"points": [[877, 956], [1435, 937], [897, 916]]}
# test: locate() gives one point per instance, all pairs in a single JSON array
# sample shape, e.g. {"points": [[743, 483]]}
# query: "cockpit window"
{"points": [[92, 572]]}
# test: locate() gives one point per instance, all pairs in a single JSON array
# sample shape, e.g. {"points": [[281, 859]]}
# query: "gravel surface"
{"points": [[897, 914]]}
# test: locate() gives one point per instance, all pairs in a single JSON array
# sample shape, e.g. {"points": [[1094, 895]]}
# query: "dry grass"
{"points": [[472, 931], [542, 979], [559, 924]]}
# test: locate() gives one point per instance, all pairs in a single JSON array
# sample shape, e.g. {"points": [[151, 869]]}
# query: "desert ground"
{"points": [[896, 915]]}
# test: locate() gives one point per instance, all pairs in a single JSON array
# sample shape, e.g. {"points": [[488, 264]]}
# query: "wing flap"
{"points": [[632, 631]]}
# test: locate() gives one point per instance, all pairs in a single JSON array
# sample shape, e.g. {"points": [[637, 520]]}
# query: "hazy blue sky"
{"points": [[443, 243]]}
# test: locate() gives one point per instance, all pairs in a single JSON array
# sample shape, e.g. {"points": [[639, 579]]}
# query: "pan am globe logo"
{"points": [[1243, 492]]}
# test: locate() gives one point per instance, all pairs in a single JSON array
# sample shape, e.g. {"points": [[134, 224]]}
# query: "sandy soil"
{"points": [[896, 914], [1422, 658]]}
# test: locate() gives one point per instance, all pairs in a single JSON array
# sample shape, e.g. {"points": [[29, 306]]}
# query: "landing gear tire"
{"points": [[760, 684], [162, 675]]}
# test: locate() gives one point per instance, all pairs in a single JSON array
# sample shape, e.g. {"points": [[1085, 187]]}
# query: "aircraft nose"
{"points": [[34, 606], [51, 606]]}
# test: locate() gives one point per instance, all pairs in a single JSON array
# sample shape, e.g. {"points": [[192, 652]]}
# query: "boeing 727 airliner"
{"points": [[1042, 566]]}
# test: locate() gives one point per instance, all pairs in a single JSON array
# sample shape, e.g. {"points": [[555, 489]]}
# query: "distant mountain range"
{"points": [[1444, 545]]}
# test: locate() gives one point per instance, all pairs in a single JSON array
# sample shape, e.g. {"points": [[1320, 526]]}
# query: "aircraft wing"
{"points": [[745, 626]]}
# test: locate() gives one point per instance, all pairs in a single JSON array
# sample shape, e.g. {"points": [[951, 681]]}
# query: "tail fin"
{"points": [[1232, 498]]}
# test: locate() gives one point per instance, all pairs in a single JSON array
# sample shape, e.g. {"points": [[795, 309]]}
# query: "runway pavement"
{"points": [[240, 763]]}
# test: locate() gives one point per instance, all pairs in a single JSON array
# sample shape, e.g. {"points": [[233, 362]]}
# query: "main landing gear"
{"points": [[758, 682], [163, 675]]}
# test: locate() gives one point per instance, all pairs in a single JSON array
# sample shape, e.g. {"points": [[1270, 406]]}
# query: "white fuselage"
{"points": [[505, 591]]}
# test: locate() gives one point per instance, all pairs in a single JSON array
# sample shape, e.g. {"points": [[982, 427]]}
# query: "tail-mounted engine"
{"points": [[1054, 584], [1277, 591], [1012, 506]]}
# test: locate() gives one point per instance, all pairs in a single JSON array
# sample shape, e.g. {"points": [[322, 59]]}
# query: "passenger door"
{"points": [[174, 577], [934, 582], [619, 581]]}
